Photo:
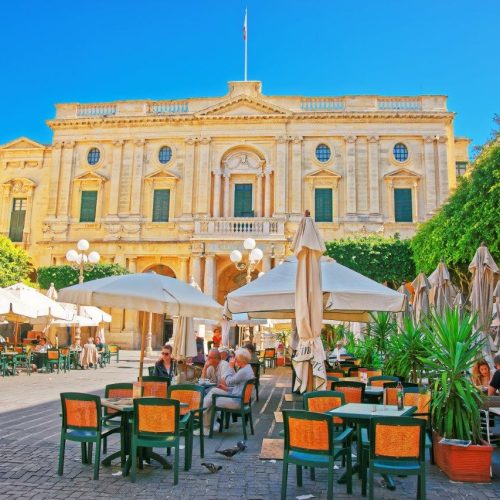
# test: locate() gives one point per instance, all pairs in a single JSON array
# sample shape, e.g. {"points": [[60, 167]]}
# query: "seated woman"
{"points": [[165, 367], [99, 343], [481, 375], [232, 384]]}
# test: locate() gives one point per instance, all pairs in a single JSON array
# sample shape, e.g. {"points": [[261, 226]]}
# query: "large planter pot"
{"points": [[471, 464]]}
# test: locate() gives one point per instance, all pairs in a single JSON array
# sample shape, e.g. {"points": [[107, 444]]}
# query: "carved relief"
{"points": [[243, 161]]}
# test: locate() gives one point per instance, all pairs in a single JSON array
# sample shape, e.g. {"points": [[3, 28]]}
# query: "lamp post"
{"points": [[254, 256], [81, 260]]}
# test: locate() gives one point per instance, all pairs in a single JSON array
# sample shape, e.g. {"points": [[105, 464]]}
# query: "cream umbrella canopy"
{"points": [[148, 292], [443, 292], [421, 286], [184, 342], [309, 360], [15, 309], [485, 275]]}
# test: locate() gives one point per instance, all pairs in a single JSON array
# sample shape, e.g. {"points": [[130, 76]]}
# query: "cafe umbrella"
{"points": [[147, 292]]}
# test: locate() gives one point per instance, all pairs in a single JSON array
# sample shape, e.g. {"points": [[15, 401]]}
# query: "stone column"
{"points": [[280, 176], [443, 169], [183, 271], [258, 196], [209, 281], [6, 207], [227, 204], [414, 202], [267, 194], [430, 175], [373, 175], [66, 177], [296, 175], [187, 179], [114, 191], [55, 169], [196, 268], [137, 178], [203, 187], [351, 174], [217, 186]]}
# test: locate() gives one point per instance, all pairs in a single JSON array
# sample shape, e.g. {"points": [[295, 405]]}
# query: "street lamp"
{"points": [[254, 256], [81, 260]]}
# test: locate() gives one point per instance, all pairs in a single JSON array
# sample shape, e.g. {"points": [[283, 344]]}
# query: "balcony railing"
{"points": [[96, 109], [169, 107], [239, 226], [399, 103], [322, 104]]}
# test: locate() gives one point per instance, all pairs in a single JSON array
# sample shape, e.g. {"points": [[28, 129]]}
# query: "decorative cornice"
{"points": [[351, 139], [190, 140], [373, 139]]}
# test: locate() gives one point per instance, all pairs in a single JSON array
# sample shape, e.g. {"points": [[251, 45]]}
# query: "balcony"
{"points": [[239, 227]]}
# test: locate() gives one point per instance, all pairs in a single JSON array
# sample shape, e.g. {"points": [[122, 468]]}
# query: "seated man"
{"points": [[232, 384], [215, 368], [225, 354], [38, 354], [337, 352], [494, 386]]}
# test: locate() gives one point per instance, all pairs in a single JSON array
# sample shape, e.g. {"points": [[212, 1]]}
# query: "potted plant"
{"points": [[452, 346]]}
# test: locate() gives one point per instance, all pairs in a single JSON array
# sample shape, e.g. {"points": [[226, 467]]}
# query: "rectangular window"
{"points": [[323, 206], [460, 167], [243, 200], [403, 211], [161, 205], [17, 219], [88, 206]]}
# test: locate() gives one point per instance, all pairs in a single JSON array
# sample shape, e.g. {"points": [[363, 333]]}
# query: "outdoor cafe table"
{"points": [[361, 414], [126, 408]]}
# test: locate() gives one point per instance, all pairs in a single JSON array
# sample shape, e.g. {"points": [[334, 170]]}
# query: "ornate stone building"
{"points": [[174, 186]]}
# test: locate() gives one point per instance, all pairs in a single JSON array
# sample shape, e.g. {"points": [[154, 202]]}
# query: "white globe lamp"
{"points": [[249, 244], [71, 255], [94, 257], [256, 255], [83, 245], [235, 256]]}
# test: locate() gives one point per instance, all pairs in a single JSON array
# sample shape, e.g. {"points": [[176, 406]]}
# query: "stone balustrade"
{"points": [[95, 109], [399, 103], [239, 227], [322, 104], [169, 107]]}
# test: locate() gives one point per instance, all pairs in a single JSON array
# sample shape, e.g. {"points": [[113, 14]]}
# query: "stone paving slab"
{"points": [[30, 423]]}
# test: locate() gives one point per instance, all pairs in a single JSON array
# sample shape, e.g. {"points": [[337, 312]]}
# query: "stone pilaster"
{"points": [[280, 176], [373, 174], [187, 178], [183, 269], [267, 194], [217, 188], [66, 176], [227, 200], [203, 188], [258, 196], [209, 281], [443, 169], [296, 176], [137, 180], [55, 169], [114, 191], [351, 174], [196, 268], [430, 175]]}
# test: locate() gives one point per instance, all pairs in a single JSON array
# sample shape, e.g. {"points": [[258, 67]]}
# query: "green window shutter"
{"points": [[243, 200], [323, 209], [17, 219], [88, 206], [161, 205], [403, 211]]}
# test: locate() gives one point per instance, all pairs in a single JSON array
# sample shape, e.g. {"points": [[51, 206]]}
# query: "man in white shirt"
{"points": [[215, 368], [338, 351]]}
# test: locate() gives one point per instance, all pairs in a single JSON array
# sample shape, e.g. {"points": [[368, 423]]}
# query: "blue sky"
{"points": [[91, 51]]}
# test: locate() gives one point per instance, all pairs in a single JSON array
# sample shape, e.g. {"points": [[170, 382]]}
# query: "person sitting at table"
{"points": [[36, 341], [88, 355], [481, 374], [215, 368], [165, 367], [225, 354], [38, 354], [251, 349], [42, 346], [338, 351], [494, 386], [99, 343], [232, 384]]}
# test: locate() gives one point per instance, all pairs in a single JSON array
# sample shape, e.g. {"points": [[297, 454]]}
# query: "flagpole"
{"points": [[246, 45]]}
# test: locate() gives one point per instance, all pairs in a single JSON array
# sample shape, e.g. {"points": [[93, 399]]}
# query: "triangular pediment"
{"points": [[161, 175], [402, 173], [91, 176], [244, 105], [21, 180], [22, 143], [323, 173]]}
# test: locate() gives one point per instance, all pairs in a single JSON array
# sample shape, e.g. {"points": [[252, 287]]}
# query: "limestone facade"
{"points": [[213, 147]]}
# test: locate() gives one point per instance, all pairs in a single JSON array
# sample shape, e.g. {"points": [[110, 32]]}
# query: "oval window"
{"points": [[93, 156], [165, 154], [400, 152], [323, 153]]}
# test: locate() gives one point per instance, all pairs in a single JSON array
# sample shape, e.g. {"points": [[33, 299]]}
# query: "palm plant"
{"points": [[380, 330], [405, 352], [452, 346]]}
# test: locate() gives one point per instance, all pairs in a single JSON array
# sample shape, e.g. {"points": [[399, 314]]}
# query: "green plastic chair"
{"points": [[380, 380], [354, 392], [155, 386], [397, 446], [81, 422], [244, 411], [322, 402], [309, 442], [191, 417], [156, 425], [111, 419], [113, 351]]}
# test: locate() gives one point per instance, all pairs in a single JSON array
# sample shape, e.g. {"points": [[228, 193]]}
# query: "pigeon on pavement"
{"points": [[228, 452], [213, 468], [241, 445]]}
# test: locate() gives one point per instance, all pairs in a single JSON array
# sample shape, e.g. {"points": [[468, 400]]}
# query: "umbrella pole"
{"points": [[143, 341], [16, 330], [310, 385]]}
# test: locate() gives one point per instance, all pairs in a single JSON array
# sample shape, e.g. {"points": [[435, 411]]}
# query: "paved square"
{"points": [[30, 423]]}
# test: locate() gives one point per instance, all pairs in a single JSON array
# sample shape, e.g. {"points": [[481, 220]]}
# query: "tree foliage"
{"points": [[379, 258], [63, 276], [470, 216], [15, 263]]}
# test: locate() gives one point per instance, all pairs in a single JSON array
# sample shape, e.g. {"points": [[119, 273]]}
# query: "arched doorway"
{"points": [[229, 279], [161, 325]]}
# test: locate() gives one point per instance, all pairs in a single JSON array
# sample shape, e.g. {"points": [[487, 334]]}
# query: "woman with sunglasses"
{"points": [[165, 367]]}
